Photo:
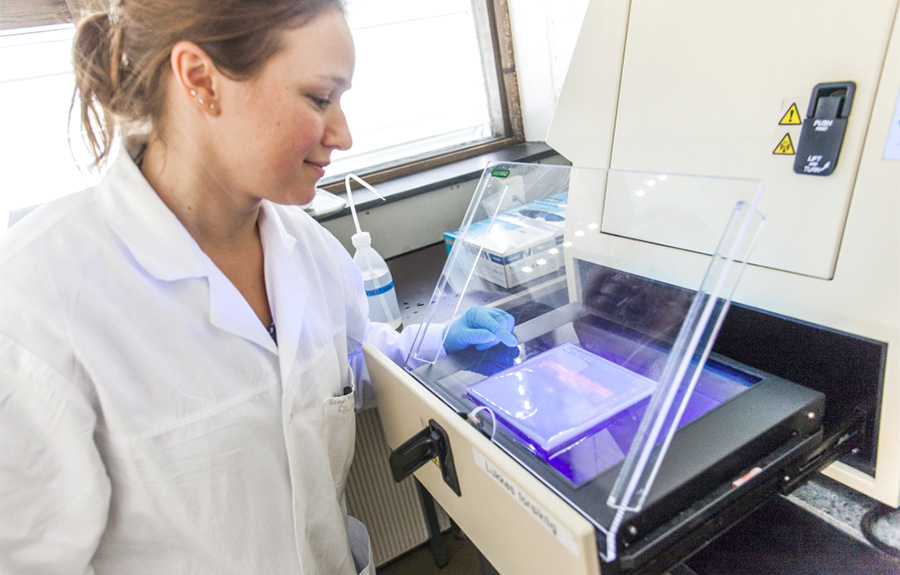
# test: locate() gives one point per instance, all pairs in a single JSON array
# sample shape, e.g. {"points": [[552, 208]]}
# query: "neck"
{"points": [[218, 218], [221, 220]]}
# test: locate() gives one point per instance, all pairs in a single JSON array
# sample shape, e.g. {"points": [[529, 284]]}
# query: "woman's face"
{"points": [[276, 131]]}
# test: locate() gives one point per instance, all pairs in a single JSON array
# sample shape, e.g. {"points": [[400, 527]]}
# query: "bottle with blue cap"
{"points": [[377, 280]]}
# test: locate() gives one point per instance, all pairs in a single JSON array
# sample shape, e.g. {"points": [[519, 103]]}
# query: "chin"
{"points": [[301, 199], [296, 196]]}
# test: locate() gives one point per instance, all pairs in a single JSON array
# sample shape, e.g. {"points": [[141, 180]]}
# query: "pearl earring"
{"points": [[200, 101], [193, 92], [212, 106]]}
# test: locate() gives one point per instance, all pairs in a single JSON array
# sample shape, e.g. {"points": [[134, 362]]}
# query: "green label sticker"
{"points": [[499, 173]]}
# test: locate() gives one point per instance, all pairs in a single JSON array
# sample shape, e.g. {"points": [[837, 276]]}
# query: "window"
{"points": [[36, 83], [426, 81], [429, 88]]}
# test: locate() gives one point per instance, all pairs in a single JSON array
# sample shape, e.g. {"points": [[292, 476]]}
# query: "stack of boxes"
{"points": [[521, 244]]}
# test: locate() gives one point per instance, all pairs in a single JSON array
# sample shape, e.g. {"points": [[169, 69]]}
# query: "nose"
{"points": [[337, 132]]}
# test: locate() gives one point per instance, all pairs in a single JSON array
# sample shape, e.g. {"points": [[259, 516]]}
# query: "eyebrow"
{"points": [[339, 81]]}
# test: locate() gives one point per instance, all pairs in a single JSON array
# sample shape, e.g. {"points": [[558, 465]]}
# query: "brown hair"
{"points": [[121, 56]]}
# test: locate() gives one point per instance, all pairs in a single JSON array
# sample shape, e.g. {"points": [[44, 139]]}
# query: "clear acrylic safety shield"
{"points": [[611, 361]]}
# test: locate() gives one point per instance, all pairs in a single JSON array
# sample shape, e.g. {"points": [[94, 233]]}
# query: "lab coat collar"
{"points": [[287, 286], [152, 233], [167, 251]]}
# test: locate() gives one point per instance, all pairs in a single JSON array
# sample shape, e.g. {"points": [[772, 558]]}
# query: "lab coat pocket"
{"points": [[340, 434], [360, 546]]}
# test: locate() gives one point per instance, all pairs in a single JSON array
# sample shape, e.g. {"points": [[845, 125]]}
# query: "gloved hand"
{"points": [[482, 327]]}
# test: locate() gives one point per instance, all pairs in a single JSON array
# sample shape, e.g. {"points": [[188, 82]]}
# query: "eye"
{"points": [[320, 103]]}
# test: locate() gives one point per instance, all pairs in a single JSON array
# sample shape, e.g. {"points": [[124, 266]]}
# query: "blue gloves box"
{"points": [[524, 243]]}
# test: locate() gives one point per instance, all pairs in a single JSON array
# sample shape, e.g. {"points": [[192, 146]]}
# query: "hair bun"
{"points": [[92, 59]]}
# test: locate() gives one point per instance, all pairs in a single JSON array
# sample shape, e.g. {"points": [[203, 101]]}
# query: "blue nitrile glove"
{"points": [[482, 327]]}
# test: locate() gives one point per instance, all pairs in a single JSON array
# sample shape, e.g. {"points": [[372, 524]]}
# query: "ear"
{"points": [[196, 76]]}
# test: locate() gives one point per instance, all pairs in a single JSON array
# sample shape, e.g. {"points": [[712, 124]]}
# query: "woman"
{"points": [[180, 349]]}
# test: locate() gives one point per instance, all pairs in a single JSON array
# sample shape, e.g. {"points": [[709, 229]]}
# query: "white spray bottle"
{"points": [[379, 284]]}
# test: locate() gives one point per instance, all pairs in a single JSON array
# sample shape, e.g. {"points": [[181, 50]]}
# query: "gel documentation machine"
{"points": [[689, 345]]}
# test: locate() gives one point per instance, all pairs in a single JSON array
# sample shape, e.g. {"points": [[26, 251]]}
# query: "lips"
{"points": [[319, 166]]}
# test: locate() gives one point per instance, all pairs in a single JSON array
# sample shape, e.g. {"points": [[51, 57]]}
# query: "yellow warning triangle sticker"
{"points": [[791, 117], [785, 147]]}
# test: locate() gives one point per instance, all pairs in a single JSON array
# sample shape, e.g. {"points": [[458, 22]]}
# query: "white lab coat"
{"points": [[148, 423]]}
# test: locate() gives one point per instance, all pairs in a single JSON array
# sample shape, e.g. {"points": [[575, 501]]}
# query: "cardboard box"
{"points": [[525, 243], [511, 253], [547, 213]]}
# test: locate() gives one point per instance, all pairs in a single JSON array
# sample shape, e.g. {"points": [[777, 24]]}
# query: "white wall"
{"points": [[544, 34]]}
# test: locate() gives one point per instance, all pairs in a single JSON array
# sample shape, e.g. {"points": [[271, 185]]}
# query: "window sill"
{"points": [[441, 177]]}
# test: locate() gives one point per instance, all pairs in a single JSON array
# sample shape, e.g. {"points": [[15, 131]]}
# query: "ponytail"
{"points": [[97, 62]]}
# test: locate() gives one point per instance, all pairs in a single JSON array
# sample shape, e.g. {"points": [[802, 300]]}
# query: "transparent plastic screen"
{"points": [[508, 249], [610, 362]]}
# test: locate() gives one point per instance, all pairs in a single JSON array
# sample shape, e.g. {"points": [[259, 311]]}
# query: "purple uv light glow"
{"points": [[556, 397], [580, 412]]}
